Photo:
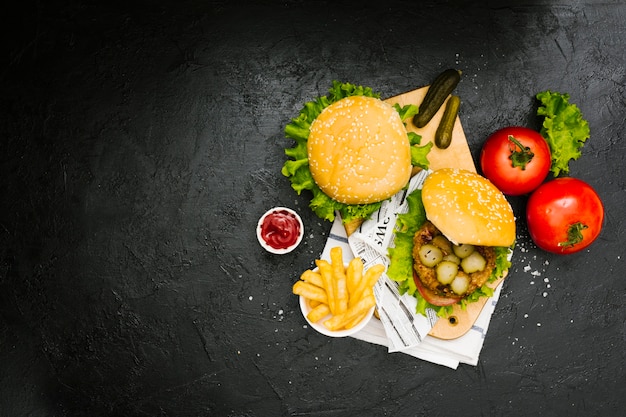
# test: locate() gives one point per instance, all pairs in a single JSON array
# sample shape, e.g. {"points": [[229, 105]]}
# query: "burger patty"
{"points": [[428, 276]]}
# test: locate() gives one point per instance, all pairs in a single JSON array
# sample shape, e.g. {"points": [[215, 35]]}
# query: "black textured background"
{"points": [[141, 140]]}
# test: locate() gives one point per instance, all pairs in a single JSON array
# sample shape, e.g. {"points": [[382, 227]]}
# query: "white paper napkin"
{"points": [[465, 349]]}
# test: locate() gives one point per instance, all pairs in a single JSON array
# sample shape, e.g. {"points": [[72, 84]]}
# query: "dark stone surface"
{"points": [[141, 141]]}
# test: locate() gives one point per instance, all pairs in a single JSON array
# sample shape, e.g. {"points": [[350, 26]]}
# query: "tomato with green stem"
{"points": [[564, 215], [515, 159]]}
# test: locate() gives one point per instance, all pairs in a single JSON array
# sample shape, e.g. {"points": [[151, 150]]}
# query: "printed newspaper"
{"points": [[404, 328]]}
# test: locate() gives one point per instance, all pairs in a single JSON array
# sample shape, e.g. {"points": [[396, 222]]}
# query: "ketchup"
{"points": [[280, 229]]}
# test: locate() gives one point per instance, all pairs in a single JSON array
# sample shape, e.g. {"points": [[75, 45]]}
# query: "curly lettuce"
{"points": [[563, 128], [401, 259], [419, 154], [296, 168]]}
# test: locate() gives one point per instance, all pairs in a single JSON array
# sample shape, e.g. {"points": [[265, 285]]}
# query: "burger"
{"points": [[454, 241], [352, 152]]}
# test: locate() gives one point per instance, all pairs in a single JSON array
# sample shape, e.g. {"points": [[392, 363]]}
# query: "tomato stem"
{"points": [[574, 234], [522, 157]]}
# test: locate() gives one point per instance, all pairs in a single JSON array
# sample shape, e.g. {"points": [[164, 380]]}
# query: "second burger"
{"points": [[455, 240]]}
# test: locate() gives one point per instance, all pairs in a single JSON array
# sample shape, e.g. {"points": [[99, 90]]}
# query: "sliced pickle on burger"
{"points": [[473, 263], [460, 283], [430, 255], [464, 250], [452, 258], [446, 272], [442, 243]]}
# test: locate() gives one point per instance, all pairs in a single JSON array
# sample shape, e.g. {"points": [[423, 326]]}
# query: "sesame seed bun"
{"points": [[468, 208], [359, 151]]}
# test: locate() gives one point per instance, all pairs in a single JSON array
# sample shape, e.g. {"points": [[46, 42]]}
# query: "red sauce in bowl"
{"points": [[280, 229]]}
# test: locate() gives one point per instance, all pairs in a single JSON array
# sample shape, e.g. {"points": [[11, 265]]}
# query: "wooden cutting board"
{"points": [[457, 155]]}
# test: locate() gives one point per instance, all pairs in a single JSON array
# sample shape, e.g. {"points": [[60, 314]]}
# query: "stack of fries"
{"points": [[339, 296]]}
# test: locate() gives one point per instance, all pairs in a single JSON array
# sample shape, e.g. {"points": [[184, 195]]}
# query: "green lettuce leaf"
{"points": [[400, 256], [401, 259], [419, 155], [407, 111], [563, 128], [296, 168]]}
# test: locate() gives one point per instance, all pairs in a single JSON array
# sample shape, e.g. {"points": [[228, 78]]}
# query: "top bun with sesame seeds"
{"points": [[467, 208], [358, 151]]}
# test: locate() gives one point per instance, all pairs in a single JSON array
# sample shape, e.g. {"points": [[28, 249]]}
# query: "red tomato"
{"points": [[564, 215], [515, 159]]}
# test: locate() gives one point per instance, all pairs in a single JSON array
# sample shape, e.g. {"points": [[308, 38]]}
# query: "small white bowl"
{"points": [[319, 326], [265, 245]]}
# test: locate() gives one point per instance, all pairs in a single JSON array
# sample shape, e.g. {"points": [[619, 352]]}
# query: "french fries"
{"points": [[339, 275], [310, 291], [368, 281], [354, 274], [318, 312], [312, 278], [339, 297], [326, 271]]}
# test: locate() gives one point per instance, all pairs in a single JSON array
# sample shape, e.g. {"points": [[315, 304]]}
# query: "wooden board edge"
{"points": [[460, 321]]}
